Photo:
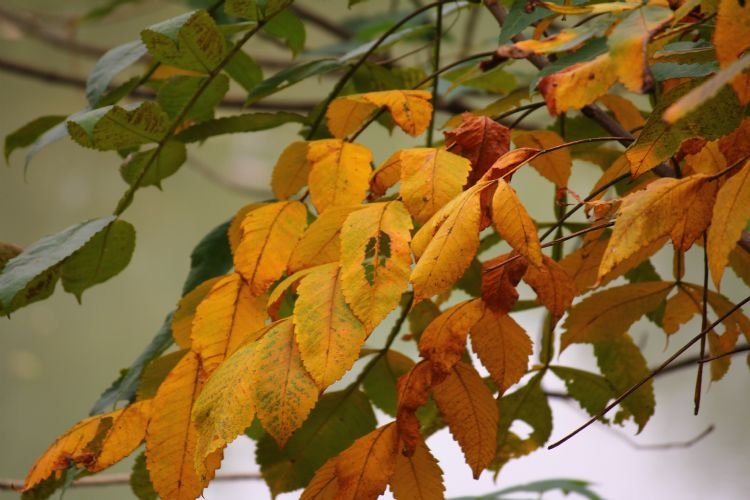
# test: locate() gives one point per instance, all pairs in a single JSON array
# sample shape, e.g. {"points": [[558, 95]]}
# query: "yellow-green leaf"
{"points": [[375, 260], [284, 391], [472, 414], [328, 333], [269, 234], [514, 224], [339, 173]]}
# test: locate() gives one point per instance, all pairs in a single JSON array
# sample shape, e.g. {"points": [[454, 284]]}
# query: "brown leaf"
{"points": [[417, 476], [500, 276], [480, 140], [552, 284], [502, 346], [364, 469], [555, 165]]}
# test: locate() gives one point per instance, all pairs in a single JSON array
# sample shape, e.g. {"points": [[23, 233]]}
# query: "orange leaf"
{"points": [[413, 390], [709, 160], [658, 211], [269, 234], [328, 333], [480, 140], [386, 175], [735, 145], [375, 260], [732, 32], [321, 242], [347, 114], [578, 85], [554, 165], [500, 276], [624, 110], [506, 165], [502, 346], [411, 110], [125, 434], [514, 224], [679, 309], [291, 171], [417, 476], [339, 173], [324, 484], [471, 413], [182, 321], [730, 214], [363, 469], [171, 436], [284, 391], [608, 314], [429, 179], [628, 42], [235, 227], [552, 284], [444, 257], [444, 341], [583, 264], [228, 316]]}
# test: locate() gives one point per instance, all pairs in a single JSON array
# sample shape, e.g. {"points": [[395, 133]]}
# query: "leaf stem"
{"points": [[704, 322]]}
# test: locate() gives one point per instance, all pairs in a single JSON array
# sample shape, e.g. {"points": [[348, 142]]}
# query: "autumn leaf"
{"points": [[268, 236], [324, 484], [471, 413], [386, 175], [413, 392], [514, 224], [449, 250], [480, 140], [364, 469], [228, 316], [417, 476], [679, 309], [553, 286], [444, 341], [321, 241], [554, 165], [608, 314], [284, 390], [234, 232], [730, 37], [375, 260], [291, 171], [171, 437], [578, 85], [411, 110], [380, 382], [328, 333], [629, 116], [182, 321], [507, 164], [339, 173], [500, 275], [502, 346], [658, 211], [730, 214]]}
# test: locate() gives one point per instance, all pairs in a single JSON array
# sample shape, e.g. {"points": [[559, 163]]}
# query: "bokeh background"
{"points": [[57, 356]]}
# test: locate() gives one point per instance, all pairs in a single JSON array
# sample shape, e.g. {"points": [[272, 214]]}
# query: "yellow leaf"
{"points": [[598, 8], [171, 436], [94, 443], [226, 405], [430, 178], [730, 214], [627, 45], [363, 469], [182, 321], [444, 340], [228, 316], [321, 242], [386, 175], [447, 254], [624, 110], [328, 333], [514, 224], [552, 284], [709, 160], [324, 484], [608, 314], [503, 347], [578, 85], [280, 291], [291, 171], [411, 110], [284, 391], [471, 413], [417, 476], [500, 275], [235, 227], [339, 173], [555, 165], [269, 234], [679, 208], [375, 260]]}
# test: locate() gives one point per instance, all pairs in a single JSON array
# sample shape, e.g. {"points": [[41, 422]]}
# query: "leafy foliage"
{"points": [[282, 300]]}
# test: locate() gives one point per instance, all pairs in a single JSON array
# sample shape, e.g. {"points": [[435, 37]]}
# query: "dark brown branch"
{"points": [[321, 22]]}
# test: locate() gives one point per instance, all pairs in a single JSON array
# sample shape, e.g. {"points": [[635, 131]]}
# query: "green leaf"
{"points": [[211, 257], [518, 20], [530, 405], [109, 66], [588, 52], [114, 127], [592, 391], [243, 70], [160, 162], [29, 133], [334, 424], [179, 91], [665, 71], [288, 28], [380, 382], [140, 481], [496, 80], [565, 486], [31, 275], [102, 257], [291, 75], [255, 10], [190, 41], [623, 365], [247, 122]]}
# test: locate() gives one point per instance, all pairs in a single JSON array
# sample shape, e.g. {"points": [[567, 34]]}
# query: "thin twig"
{"points": [[124, 479]]}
